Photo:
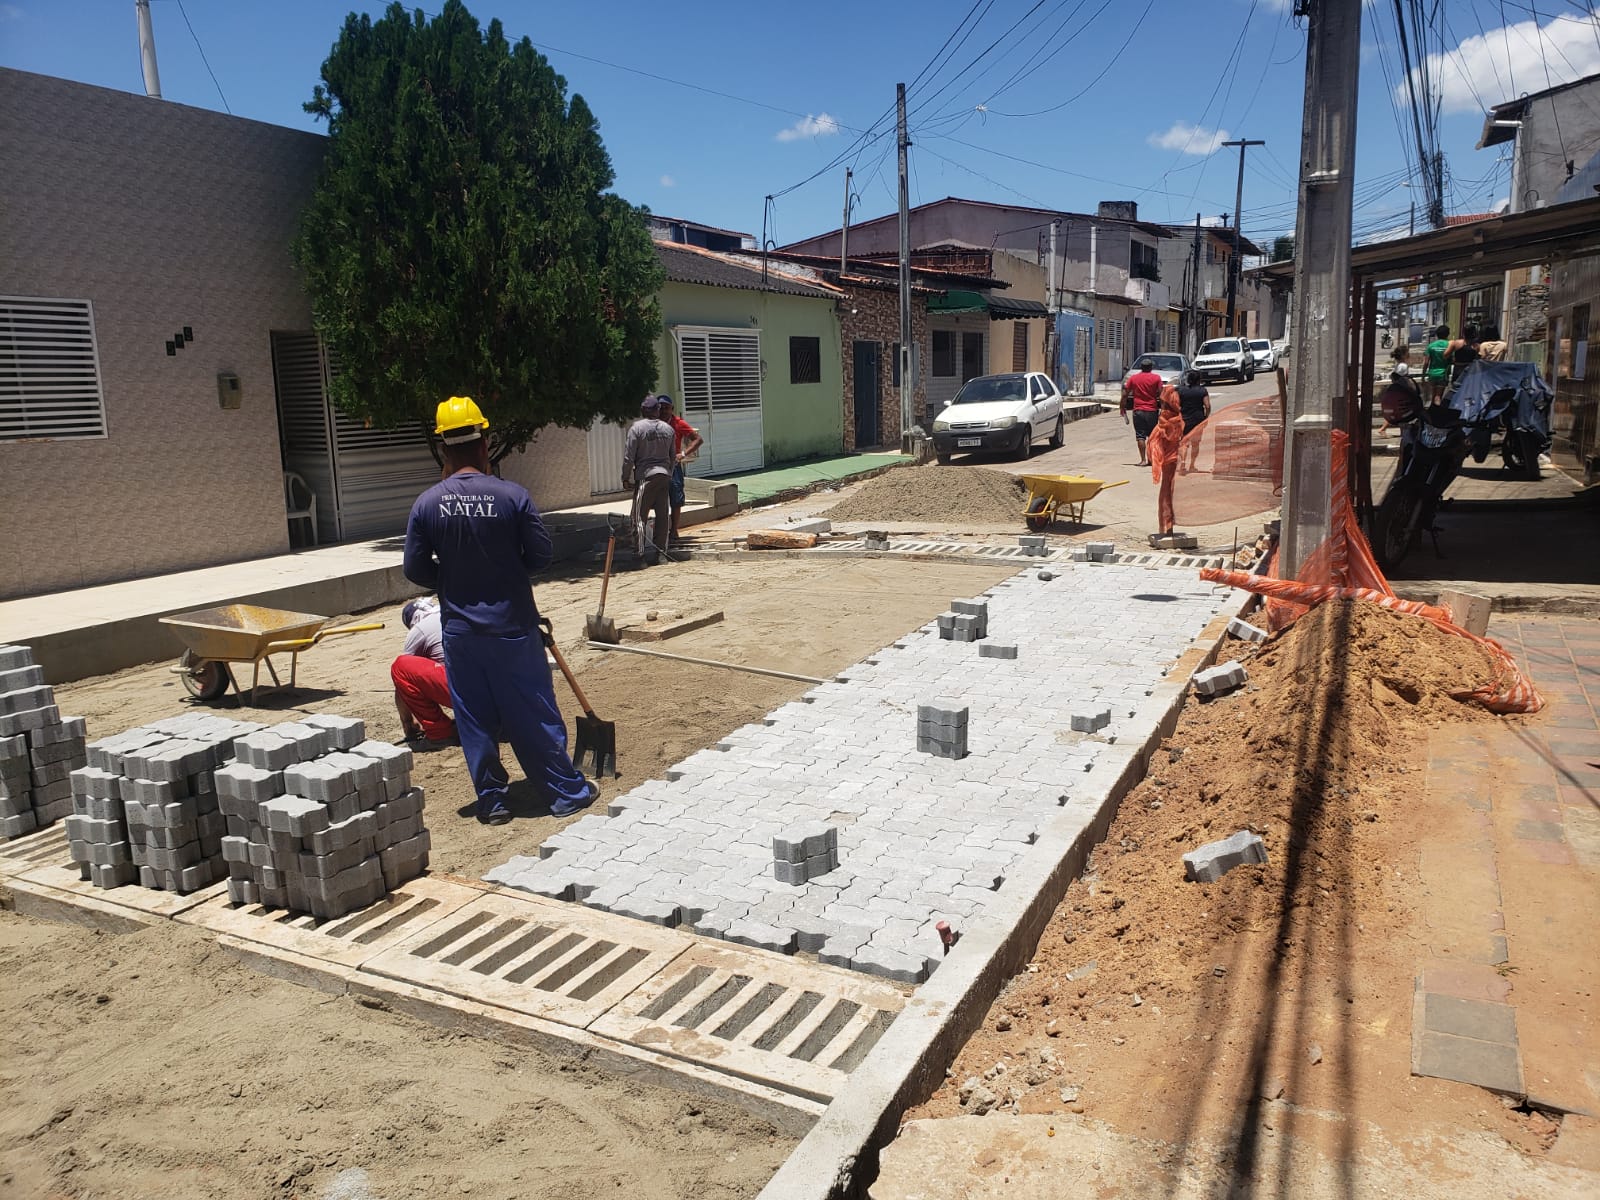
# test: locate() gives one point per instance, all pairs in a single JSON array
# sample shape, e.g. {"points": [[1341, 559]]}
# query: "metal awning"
{"points": [[1004, 308], [958, 301], [1495, 244]]}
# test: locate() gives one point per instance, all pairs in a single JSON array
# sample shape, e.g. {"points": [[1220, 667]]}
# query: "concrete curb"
{"points": [[838, 1159]]}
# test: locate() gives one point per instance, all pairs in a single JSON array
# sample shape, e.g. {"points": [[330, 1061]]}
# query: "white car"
{"points": [[1266, 357], [1000, 412], [1225, 358], [1171, 367]]}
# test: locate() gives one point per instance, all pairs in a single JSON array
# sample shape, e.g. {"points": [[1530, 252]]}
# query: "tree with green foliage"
{"points": [[1282, 249], [461, 239]]}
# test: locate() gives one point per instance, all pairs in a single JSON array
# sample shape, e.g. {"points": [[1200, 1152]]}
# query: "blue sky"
{"points": [[1128, 108]]}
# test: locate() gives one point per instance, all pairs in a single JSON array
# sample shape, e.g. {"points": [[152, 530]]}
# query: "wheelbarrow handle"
{"points": [[306, 643], [547, 635]]}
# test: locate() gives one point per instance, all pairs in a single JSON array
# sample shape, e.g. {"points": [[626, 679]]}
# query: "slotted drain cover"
{"points": [[787, 1024], [349, 940], [66, 878], [545, 959], [46, 847]]}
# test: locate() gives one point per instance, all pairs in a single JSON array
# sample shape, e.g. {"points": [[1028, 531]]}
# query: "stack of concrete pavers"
{"points": [[1214, 681], [39, 748], [319, 819], [942, 729], [145, 807], [875, 539], [1094, 552], [967, 621], [1033, 544], [805, 852]]}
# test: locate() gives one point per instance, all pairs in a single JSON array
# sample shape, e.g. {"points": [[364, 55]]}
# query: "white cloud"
{"points": [[668, 181], [821, 125], [1189, 139], [1502, 64]]}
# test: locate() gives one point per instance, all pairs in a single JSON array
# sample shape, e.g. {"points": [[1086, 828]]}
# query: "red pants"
{"points": [[420, 686]]}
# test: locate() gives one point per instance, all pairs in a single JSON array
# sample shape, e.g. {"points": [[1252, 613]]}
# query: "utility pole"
{"points": [[1052, 348], [147, 49], [1238, 203], [1317, 402], [844, 230], [906, 357], [1194, 339]]}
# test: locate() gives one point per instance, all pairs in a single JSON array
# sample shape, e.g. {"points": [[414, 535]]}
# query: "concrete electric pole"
{"points": [[147, 49], [844, 229], [906, 357], [1195, 333], [1238, 203], [1318, 403]]}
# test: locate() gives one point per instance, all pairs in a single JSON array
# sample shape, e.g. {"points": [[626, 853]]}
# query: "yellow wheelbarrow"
{"points": [[1052, 494], [216, 638]]}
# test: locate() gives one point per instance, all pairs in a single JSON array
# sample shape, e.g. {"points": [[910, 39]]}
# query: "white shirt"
{"points": [[425, 638]]}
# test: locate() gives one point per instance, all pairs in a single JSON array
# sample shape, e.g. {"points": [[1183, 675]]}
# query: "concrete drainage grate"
{"points": [[790, 1025], [555, 961], [349, 940], [45, 848]]}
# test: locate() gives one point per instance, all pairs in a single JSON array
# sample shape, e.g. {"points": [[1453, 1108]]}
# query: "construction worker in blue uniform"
{"points": [[475, 539]]}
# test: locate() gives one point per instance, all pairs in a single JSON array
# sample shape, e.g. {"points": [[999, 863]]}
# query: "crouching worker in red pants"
{"points": [[421, 691]]}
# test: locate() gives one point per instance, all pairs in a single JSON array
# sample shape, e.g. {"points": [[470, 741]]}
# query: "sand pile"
{"points": [[946, 495], [1322, 755]]}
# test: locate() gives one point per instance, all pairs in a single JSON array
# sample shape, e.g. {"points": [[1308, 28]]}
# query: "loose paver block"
{"points": [[1214, 681], [1091, 720], [1211, 862], [1240, 628]]}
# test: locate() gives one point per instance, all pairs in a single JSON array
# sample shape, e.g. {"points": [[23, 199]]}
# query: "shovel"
{"points": [[594, 735], [598, 626]]}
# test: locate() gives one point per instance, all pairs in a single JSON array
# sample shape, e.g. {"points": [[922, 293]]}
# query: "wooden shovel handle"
{"points": [[611, 546], [547, 632]]}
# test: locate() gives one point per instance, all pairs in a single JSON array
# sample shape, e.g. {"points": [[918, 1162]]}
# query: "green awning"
{"points": [[958, 302]]}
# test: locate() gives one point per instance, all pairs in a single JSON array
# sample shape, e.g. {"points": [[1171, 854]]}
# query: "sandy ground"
{"points": [[1256, 1029], [154, 1064]]}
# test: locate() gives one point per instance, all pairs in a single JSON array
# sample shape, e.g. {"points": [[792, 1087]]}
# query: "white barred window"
{"points": [[49, 370]]}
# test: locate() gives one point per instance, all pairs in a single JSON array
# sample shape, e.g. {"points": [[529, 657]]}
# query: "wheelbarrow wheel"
{"points": [[205, 678], [1038, 519]]}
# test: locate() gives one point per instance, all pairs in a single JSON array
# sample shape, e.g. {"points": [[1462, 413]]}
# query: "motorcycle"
{"points": [[1435, 442]]}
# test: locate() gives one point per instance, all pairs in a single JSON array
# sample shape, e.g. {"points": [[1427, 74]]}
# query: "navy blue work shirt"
{"points": [[475, 539]]}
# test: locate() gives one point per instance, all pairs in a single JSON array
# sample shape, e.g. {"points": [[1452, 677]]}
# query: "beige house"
{"points": [[158, 374]]}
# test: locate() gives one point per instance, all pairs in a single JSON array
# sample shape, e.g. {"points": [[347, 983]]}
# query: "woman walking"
{"points": [[1194, 404]]}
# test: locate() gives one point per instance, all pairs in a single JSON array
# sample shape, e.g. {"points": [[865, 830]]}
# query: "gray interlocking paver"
{"points": [[919, 838]]}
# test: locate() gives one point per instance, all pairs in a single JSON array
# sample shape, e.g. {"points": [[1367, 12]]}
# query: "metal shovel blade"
{"points": [[599, 738], [601, 629]]}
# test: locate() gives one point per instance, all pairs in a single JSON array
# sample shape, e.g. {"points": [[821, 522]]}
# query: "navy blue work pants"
{"points": [[501, 691]]}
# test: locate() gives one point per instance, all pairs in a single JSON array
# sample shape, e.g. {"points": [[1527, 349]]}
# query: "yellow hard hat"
{"points": [[459, 419]]}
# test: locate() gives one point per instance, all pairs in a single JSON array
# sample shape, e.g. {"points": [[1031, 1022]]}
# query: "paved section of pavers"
{"points": [[920, 837]]}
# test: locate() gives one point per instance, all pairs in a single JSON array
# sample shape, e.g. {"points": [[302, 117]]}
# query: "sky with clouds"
{"points": [[711, 106]]}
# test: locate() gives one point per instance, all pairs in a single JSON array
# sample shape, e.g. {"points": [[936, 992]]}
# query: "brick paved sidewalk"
{"points": [[1511, 869], [920, 837]]}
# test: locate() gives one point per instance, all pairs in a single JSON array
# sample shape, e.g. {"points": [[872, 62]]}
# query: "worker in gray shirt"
{"points": [[647, 458], [421, 689]]}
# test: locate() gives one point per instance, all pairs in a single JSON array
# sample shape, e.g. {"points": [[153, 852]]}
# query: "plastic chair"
{"points": [[291, 482]]}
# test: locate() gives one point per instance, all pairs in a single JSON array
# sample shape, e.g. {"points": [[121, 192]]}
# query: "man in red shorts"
{"points": [[421, 690], [1142, 395]]}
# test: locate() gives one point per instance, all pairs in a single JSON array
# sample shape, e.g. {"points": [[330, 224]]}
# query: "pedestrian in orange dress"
{"points": [[1164, 446]]}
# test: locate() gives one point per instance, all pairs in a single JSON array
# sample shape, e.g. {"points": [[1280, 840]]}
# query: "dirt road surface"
{"points": [[155, 1064]]}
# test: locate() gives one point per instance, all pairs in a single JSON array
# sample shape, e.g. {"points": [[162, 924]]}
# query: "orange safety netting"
{"points": [[1230, 465], [1342, 568]]}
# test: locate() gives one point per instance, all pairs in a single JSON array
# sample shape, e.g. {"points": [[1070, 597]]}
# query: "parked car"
{"points": [[1171, 367], [1266, 357], [1000, 412], [1223, 358]]}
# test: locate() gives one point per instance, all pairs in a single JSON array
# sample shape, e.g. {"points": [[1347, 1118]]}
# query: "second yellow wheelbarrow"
{"points": [[216, 638], [1049, 495]]}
